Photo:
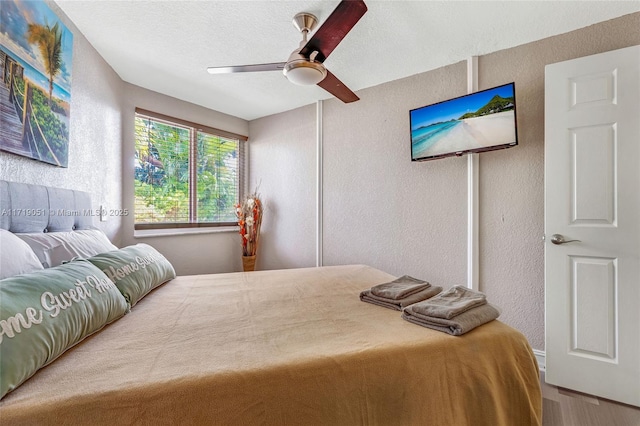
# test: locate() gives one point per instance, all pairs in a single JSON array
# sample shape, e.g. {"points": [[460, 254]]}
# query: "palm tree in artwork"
{"points": [[49, 41]]}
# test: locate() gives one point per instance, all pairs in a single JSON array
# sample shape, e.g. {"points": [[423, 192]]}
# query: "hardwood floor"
{"points": [[563, 407]]}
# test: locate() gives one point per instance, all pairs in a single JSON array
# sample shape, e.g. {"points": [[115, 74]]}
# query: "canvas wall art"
{"points": [[35, 70]]}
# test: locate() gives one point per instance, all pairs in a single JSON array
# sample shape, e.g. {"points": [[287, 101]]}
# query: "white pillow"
{"points": [[54, 248], [16, 257]]}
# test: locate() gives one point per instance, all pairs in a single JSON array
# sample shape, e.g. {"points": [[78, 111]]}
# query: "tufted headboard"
{"points": [[36, 208]]}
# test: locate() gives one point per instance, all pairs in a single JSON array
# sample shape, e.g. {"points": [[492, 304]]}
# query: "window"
{"points": [[186, 175]]}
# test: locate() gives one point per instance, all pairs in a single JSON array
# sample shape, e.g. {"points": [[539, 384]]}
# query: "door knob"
{"points": [[558, 239]]}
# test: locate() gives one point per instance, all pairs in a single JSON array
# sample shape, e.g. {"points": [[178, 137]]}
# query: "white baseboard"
{"points": [[541, 357]]}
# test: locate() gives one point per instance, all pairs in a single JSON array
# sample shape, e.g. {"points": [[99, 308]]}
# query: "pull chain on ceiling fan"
{"points": [[305, 64]]}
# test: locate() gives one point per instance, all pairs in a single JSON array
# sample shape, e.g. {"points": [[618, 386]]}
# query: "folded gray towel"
{"points": [[399, 293], [399, 288], [450, 303], [459, 324]]}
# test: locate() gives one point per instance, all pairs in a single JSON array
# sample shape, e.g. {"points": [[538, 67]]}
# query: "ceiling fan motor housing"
{"points": [[302, 71]]}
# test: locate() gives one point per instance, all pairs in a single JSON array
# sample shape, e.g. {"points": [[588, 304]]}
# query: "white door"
{"points": [[592, 194]]}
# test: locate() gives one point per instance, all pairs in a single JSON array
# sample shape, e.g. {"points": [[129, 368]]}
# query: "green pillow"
{"points": [[136, 270], [44, 313]]}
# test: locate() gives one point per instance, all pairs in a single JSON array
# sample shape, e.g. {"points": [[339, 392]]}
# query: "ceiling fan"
{"points": [[305, 64]]}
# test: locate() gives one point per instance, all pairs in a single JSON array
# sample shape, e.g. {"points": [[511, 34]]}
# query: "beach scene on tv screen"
{"points": [[473, 122]]}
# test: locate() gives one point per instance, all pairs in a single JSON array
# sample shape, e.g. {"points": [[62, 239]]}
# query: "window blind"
{"points": [[186, 175]]}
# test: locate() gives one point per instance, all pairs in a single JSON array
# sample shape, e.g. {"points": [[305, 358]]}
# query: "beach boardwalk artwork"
{"points": [[35, 94], [473, 122]]}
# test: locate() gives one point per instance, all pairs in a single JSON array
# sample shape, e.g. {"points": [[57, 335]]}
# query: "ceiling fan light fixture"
{"points": [[305, 73]]}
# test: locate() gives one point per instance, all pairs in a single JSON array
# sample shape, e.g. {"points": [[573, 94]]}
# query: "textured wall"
{"points": [[380, 208], [95, 136], [202, 253], [410, 218], [283, 163]]}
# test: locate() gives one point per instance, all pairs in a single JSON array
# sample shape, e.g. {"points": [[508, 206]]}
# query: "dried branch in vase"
{"points": [[249, 214]]}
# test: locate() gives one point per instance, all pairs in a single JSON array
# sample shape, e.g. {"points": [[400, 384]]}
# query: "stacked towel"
{"points": [[455, 311], [399, 293]]}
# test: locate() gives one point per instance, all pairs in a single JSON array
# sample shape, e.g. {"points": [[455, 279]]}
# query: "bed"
{"points": [[281, 347]]}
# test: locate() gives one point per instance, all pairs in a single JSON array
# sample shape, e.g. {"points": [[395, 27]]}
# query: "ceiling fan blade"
{"points": [[337, 88], [334, 29], [276, 66]]}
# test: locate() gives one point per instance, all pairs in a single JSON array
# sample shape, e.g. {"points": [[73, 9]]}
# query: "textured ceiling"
{"points": [[166, 46]]}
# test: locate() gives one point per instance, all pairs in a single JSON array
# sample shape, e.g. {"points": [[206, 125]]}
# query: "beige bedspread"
{"points": [[281, 347]]}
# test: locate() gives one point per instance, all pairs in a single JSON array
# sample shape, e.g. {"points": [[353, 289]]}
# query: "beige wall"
{"points": [[283, 165], [410, 218], [382, 209], [95, 136]]}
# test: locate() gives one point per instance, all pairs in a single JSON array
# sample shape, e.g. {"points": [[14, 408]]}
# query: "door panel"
{"points": [[592, 90], [594, 171], [592, 195], [593, 308]]}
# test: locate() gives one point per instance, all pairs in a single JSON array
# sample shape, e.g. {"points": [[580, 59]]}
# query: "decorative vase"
{"points": [[249, 263]]}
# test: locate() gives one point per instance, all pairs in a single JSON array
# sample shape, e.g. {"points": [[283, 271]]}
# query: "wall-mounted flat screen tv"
{"points": [[480, 121]]}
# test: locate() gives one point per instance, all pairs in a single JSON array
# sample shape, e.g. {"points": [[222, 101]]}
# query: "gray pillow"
{"points": [[44, 313]]}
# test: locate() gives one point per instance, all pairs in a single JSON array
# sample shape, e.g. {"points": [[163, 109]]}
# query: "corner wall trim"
{"points": [[473, 188], [542, 359], [319, 225]]}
